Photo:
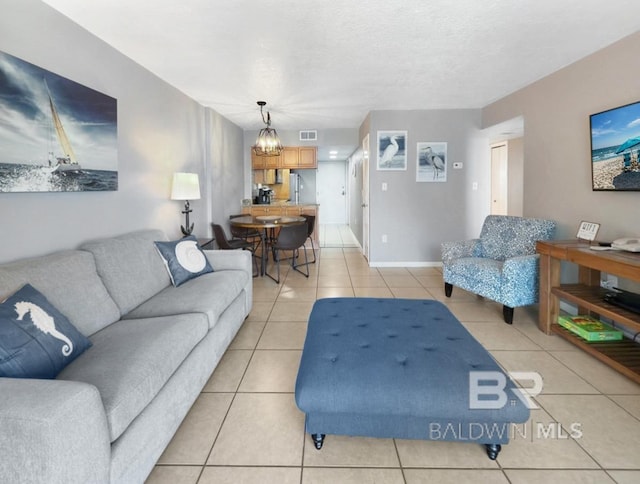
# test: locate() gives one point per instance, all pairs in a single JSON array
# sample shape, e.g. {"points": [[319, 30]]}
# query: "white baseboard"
{"points": [[405, 264]]}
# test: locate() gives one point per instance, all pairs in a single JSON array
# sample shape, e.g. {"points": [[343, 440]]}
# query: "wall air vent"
{"points": [[309, 135]]}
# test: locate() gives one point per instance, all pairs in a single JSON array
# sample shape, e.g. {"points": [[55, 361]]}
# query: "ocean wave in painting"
{"points": [[29, 178]]}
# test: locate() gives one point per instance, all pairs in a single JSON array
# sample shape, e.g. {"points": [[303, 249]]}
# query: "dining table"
{"points": [[266, 225]]}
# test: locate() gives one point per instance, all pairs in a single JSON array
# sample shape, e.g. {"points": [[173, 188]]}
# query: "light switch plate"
{"points": [[457, 165]]}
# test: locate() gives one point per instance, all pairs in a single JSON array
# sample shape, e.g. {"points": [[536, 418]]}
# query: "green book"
{"points": [[589, 328]]}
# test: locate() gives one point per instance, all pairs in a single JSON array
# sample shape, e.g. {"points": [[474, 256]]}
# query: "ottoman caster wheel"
{"points": [[493, 450], [318, 440]]}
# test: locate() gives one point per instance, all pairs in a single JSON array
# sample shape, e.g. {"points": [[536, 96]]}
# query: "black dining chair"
{"points": [[232, 244], [311, 222], [250, 235], [291, 237]]}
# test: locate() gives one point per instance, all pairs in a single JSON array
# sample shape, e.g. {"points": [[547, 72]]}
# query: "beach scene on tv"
{"points": [[615, 148]]}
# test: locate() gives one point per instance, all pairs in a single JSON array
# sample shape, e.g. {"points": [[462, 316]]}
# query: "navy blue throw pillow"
{"points": [[184, 259], [36, 340]]}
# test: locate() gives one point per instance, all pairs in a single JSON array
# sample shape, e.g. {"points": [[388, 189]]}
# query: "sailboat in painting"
{"points": [[67, 162]]}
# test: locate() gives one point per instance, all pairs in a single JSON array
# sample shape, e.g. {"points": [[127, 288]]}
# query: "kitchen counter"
{"points": [[284, 203]]}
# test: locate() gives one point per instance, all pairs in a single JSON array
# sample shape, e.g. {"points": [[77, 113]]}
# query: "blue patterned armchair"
{"points": [[501, 265]]}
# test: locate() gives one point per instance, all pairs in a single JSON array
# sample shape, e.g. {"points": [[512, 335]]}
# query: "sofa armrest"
{"points": [[520, 280], [461, 248], [241, 260], [222, 260], [52, 431]]}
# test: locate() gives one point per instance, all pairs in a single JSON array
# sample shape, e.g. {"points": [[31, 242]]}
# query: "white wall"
{"points": [[557, 151], [160, 131]]}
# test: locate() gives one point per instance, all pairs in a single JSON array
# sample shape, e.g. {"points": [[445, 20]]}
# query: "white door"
{"points": [[499, 181], [331, 185], [365, 197]]}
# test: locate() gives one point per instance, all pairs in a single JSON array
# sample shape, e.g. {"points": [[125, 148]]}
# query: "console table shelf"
{"points": [[624, 356], [592, 298]]}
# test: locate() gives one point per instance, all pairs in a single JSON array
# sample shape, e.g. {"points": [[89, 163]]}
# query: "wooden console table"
{"points": [[624, 355]]}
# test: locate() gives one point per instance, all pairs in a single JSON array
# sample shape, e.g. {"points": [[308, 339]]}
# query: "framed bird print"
{"points": [[431, 161], [392, 150]]}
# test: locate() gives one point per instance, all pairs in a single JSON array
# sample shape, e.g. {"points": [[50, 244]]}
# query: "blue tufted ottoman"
{"points": [[401, 368]]}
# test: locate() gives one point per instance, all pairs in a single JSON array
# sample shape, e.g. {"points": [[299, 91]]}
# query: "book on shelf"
{"points": [[589, 328]]}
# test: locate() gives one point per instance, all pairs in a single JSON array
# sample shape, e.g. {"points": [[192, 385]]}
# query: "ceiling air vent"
{"points": [[309, 135]]}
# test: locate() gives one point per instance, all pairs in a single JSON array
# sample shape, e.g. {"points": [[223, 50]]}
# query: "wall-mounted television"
{"points": [[615, 148]]}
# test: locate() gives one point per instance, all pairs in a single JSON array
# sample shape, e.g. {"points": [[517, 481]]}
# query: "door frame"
{"points": [[365, 197], [500, 181]]}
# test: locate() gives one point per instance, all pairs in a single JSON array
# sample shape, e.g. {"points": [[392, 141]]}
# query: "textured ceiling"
{"points": [[327, 64]]}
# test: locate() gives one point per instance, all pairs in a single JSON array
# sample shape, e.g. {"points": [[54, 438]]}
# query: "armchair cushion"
{"points": [[505, 236]]}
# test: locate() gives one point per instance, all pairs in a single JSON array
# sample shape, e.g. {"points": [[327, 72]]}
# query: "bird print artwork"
{"points": [[391, 150], [432, 164]]}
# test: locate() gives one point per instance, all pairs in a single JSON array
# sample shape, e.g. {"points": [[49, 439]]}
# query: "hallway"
{"points": [[337, 235]]}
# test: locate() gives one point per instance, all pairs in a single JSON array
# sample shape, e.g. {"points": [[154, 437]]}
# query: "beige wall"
{"points": [[515, 174], [557, 157]]}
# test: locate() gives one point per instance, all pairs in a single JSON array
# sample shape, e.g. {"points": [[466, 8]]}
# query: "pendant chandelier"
{"points": [[268, 143]]}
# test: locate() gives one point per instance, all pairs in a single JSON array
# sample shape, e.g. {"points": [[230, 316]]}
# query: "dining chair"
{"points": [[291, 237], [250, 235], [225, 243], [311, 222]]}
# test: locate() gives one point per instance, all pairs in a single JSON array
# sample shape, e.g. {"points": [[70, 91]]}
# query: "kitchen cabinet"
{"points": [[303, 157], [307, 157], [259, 162]]}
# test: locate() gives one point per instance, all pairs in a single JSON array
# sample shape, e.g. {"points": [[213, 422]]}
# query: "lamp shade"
{"points": [[186, 186]]}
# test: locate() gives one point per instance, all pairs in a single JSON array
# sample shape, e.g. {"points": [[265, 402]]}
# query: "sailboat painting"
{"points": [[55, 135]]}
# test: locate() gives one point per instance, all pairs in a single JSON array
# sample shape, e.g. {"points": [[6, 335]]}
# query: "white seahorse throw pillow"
{"points": [[36, 340], [184, 259]]}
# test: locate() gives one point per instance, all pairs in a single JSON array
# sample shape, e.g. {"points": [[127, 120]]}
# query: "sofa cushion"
{"points": [[503, 236], [36, 340], [70, 282], [210, 294], [183, 259], [130, 267], [132, 360], [476, 274]]}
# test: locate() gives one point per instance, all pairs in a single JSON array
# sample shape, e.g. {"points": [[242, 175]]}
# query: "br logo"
{"points": [[488, 389]]}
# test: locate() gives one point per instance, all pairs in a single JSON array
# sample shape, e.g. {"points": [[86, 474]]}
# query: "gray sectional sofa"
{"points": [[109, 415]]}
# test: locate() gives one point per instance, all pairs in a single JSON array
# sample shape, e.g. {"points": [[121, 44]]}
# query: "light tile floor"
{"points": [[336, 235], [245, 427]]}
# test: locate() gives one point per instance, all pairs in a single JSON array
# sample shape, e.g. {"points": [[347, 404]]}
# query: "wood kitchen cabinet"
{"points": [[265, 162], [292, 157], [307, 157], [303, 157]]}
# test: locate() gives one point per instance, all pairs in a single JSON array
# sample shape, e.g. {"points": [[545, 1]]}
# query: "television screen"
{"points": [[615, 148]]}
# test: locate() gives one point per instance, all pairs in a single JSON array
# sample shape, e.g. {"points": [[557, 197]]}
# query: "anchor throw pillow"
{"points": [[36, 340], [184, 259]]}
